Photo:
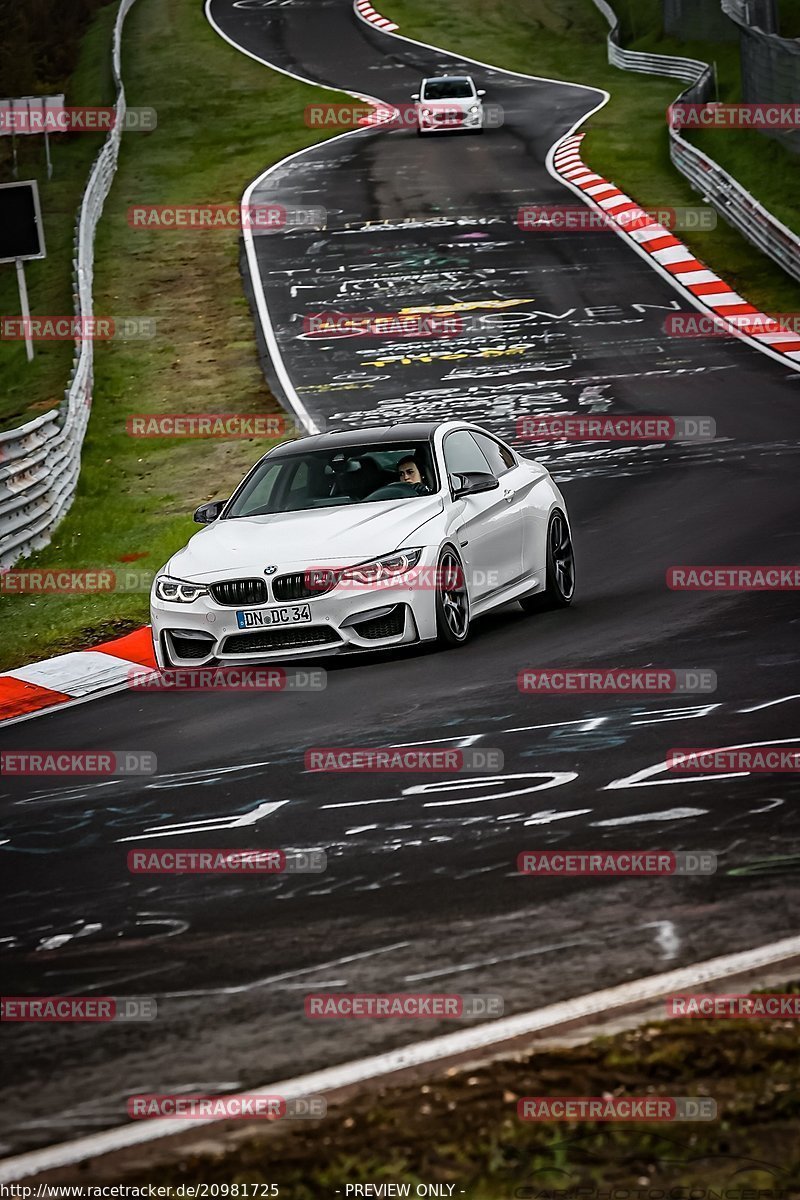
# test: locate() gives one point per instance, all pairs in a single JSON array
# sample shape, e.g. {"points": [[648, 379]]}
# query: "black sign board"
{"points": [[21, 229]]}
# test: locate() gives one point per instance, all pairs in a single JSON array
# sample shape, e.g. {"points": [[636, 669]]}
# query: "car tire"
{"points": [[560, 572], [452, 600]]}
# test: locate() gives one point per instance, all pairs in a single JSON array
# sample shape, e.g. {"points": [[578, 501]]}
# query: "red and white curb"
{"points": [[382, 114], [67, 678], [706, 290], [365, 10], [635, 998]]}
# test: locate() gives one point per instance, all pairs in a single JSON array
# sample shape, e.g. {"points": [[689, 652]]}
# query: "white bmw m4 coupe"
{"points": [[357, 541]]}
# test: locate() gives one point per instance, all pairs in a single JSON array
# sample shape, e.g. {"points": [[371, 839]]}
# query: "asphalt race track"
{"points": [[421, 890]]}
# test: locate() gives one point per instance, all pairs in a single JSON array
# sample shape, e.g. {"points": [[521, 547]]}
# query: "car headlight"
{"points": [[380, 569], [178, 590], [474, 110], [427, 112]]}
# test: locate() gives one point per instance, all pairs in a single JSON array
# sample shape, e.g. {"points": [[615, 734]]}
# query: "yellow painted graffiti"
{"points": [[335, 387], [466, 305], [447, 356]]}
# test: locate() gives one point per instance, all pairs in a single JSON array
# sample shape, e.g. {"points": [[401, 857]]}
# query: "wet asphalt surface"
{"points": [[421, 891]]}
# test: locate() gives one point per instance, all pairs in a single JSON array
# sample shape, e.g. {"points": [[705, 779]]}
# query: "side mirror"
{"points": [[207, 513], [415, 96], [481, 91], [470, 483]]}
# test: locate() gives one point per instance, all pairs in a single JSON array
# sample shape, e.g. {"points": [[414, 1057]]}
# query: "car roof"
{"points": [[447, 78], [406, 431]]}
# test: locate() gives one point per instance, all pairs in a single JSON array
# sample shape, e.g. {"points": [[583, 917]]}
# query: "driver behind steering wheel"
{"points": [[409, 470]]}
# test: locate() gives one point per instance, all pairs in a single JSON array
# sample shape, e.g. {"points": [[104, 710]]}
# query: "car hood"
{"points": [[340, 535]]}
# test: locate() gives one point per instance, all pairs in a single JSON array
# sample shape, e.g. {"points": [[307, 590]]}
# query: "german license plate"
{"points": [[259, 618]]}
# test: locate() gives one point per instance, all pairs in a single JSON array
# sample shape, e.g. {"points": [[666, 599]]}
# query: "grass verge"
{"points": [[222, 118], [461, 1128], [31, 388], [627, 140]]}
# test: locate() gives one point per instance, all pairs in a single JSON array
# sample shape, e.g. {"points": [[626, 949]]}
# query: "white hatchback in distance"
{"points": [[449, 102]]}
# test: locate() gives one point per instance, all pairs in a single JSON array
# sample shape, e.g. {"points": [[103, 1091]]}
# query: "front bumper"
{"points": [[449, 123], [344, 620]]}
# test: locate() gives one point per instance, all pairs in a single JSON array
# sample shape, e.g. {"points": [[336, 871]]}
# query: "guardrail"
{"points": [[770, 64], [40, 461], [736, 205], [687, 69], [752, 12], [732, 201], [737, 10]]}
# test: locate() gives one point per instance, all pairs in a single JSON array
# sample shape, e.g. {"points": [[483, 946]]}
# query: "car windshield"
{"points": [[447, 89], [340, 475]]}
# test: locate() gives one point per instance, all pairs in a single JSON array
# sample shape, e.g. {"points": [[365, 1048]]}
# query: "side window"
{"points": [[462, 453], [500, 459]]}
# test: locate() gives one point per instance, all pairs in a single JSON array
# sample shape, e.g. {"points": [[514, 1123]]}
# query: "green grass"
{"points": [[31, 388], [461, 1126], [627, 140], [222, 118]]}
